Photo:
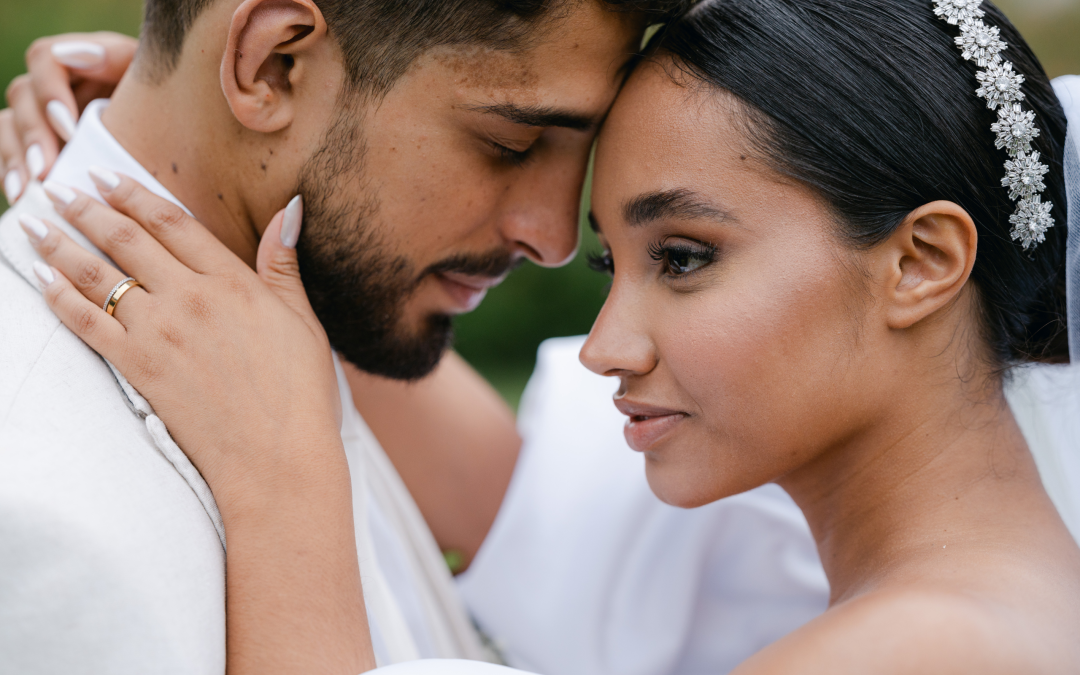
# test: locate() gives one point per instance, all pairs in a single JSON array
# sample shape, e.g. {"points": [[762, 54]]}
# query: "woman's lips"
{"points": [[466, 291], [647, 424]]}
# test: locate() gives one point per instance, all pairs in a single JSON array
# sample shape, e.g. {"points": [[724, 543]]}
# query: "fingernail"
{"points": [[61, 120], [43, 273], [35, 228], [35, 161], [12, 185], [105, 180], [79, 54], [61, 195], [290, 223]]}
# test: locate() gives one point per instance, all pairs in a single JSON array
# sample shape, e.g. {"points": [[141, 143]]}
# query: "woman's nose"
{"points": [[617, 344]]}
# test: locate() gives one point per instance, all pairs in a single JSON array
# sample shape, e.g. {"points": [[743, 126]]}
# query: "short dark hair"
{"points": [[380, 38], [869, 103]]}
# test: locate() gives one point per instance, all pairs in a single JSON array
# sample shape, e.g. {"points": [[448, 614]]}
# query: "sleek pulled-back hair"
{"points": [[380, 38], [870, 103]]}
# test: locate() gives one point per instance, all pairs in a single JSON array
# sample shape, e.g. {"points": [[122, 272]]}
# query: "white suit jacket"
{"points": [[112, 550]]}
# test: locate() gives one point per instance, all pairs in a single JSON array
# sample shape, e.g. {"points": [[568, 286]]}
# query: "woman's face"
{"points": [[737, 319]]}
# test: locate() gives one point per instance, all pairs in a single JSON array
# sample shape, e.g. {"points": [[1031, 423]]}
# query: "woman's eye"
{"points": [[602, 263], [681, 259]]}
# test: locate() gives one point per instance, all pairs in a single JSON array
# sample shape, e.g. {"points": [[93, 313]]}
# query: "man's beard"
{"points": [[357, 285]]}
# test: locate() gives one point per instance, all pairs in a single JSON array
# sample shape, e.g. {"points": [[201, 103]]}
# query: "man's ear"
{"points": [[264, 59], [926, 262]]}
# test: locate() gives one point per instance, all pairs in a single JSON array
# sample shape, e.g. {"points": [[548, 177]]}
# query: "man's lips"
{"points": [[647, 424], [467, 290]]}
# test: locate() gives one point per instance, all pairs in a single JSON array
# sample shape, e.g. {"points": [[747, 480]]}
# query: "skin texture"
{"points": [[762, 348]]}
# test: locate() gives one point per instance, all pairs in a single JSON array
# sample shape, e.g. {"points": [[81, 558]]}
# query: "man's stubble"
{"points": [[357, 283]]}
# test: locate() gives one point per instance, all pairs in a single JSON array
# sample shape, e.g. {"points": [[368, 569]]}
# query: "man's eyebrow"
{"points": [[541, 116], [681, 204]]}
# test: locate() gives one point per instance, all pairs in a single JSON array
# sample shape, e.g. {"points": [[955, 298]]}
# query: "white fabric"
{"points": [[586, 572], [446, 667], [111, 545], [1067, 88]]}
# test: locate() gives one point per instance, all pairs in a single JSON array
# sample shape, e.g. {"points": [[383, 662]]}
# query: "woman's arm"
{"points": [[453, 440], [239, 369]]}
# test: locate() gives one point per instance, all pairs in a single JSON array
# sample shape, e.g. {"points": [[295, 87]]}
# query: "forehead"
{"points": [[581, 55], [665, 134]]}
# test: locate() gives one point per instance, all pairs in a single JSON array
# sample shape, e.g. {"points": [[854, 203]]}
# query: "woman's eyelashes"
{"points": [[682, 259], [601, 262]]}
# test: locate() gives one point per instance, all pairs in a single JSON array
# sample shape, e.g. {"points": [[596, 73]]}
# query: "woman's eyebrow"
{"points": [[680, 204]]}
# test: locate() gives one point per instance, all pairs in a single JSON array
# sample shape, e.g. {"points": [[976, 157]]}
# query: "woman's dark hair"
{"points": [[870, 103]]}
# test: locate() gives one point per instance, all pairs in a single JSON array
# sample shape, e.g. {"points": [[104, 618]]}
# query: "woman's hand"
{"points": [[65, 73], [240, 370], [232, 363]]}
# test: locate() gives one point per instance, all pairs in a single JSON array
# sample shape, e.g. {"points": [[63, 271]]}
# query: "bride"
{"points": [[819, 280]]}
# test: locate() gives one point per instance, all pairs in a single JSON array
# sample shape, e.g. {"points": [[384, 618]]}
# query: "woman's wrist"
{"points": [[303, 467]]}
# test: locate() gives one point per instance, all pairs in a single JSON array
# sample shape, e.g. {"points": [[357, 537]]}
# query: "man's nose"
{"points": [[542, 219], [619, 344]]}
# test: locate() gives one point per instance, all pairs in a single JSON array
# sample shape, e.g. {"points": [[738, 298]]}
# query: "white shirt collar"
{"points": [[92, 145]]}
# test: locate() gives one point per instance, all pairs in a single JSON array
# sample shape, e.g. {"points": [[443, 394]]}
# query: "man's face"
{"points": [[416, 205]]}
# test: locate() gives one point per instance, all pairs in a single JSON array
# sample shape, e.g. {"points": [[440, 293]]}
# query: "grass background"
{"points": [[534, 304]]}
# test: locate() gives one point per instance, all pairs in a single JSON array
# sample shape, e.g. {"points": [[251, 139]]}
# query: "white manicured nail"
{"points": [[12, 185], [35, 161], [61, 120], [105, 180], [43, 273], [290, 223], [35, 227], [61, 194], [79, 54]]}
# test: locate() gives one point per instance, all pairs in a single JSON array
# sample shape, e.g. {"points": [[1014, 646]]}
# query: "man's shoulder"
{"points": [[108, 560]]}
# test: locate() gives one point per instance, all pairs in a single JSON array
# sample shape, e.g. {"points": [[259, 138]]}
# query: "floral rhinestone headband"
{"points": [[1015, 128]]}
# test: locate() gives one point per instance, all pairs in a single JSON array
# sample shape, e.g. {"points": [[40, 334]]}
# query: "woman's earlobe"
{"points": [[261, 64], [932, 254]]}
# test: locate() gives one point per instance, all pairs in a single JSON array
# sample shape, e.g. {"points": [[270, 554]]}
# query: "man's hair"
{"points": [[379, 39]]}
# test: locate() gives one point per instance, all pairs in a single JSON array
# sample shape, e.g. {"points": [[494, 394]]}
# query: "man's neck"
{"points": [[183, 133]]}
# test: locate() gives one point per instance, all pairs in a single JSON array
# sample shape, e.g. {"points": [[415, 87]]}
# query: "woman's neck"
{"points": [[937, 474]]}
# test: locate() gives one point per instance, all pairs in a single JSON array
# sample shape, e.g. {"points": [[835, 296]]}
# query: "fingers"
{"points": [[276, 262], [179, 234], [51, 82], [102, 57], [103, 333], [118, 236], [34, 133], [85, 272], [11, 157]]}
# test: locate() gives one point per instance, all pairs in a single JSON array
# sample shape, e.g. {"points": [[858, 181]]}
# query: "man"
{"points": [[435, 143]]}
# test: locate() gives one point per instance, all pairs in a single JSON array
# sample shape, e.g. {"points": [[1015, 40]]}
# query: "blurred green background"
{"points": [[501, 337]]}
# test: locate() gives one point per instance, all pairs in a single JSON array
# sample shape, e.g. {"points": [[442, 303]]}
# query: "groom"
{"points": [[437, 143]]}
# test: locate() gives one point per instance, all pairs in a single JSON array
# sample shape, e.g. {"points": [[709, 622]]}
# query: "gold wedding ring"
{"points": [[118, 292]]}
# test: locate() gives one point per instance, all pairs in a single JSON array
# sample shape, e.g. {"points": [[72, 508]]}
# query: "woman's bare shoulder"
{"points": [[910, 631]]}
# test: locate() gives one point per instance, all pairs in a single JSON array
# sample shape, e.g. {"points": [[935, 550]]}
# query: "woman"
{"points": [[819, 281]]}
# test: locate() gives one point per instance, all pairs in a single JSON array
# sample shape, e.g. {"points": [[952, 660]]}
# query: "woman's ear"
{"points": [[927, 262], [265, 57]]}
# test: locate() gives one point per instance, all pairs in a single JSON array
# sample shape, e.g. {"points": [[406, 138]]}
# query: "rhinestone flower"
{"points": [[1023, 175], [980, 43], [955, 11], [999, 84], [1015, 129], [1031, 221]]}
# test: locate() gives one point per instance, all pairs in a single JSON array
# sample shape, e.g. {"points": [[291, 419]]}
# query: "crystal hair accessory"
{"points": [[999, 86]]}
